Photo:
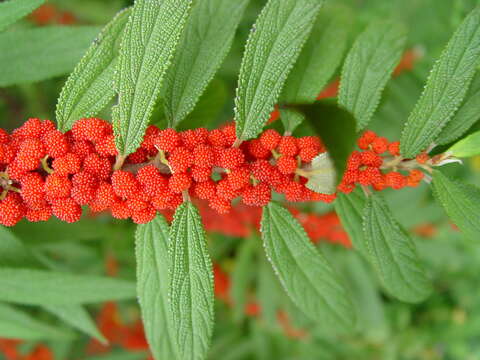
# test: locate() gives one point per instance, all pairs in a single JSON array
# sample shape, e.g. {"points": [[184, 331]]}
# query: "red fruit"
{"points": [[394, 148], [380, 145], [32, 190], [106, 146], [201, 134], [4, 137], [43, 214], [370, 175], [354, 160], [345, 188], [66, 210], [270, 139], [32, 128], [229, 134], [205, 190], [179, 182], [82, 148], [97, 166], [416, 175], [144, 216], [91, 129], [138, 157], [294, 191], [231, 158], [84, 188], [286, 164], [395, 180], [151, 134], [225, 190], [152, 181], [120, 210], [104, 197], [369, 158], [350, 176], [11, 210], [262, 170], [47, 126], [56, 143], [201, 174], [221, 205], [57, 187], [239, 178], [309, 142], [167, 140], [124, 184], [191, 139], [366, 139], [288, 146], [30, 152], [422, 158], [203, 156], [67, 164], [258, 195], [180, 160], [256, 149], [137, 204], [307, 154], [217, 138]]}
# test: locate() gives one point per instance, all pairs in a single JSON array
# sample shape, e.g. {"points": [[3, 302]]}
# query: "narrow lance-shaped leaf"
{"points": [[272, 48], [40, 287], [207, 38], [147, 47], [303, 271], [393, 253], [90, 86], [42, 53], [13, 10], [445, 89], [461, 201], [465, 117], [317, 62], [153, 279], [191, 285], [367, 68], [470, 146]]}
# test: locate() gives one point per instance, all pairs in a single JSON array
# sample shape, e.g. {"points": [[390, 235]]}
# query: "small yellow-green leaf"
{"points": [[470, 146]]}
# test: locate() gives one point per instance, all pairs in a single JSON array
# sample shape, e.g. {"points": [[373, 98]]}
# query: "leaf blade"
{"points": [[467, 147], [13, 10]]}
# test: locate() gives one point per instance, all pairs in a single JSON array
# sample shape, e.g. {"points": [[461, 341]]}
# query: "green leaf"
{"points": [[12, 251], [42, 53], [368, 67], [269, 293], [90, 86], [147, 47], [320, 57], [191, 283], [336, 127], [465, 117], [461, 201], [467, 147], [272, 48], [40, 287], [445, 89], [16, 324], [241, 276], [153, 268], [303, 271], [393, 253], [349, 208], [77, 317], [13, 10], [206, 41]]}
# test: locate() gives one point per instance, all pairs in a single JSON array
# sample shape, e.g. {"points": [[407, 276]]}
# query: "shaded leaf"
{"points": [[13, 10], [445, 89], [153, 280], [12, 251], [151, 36], [272, 48], [206, 41], [191, 283], [89, 88], [461, 201], [42, 53], [393, 253], [303, 271]]}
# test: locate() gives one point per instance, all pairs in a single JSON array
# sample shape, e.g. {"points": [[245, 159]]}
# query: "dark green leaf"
{"points": [[153, 270], [303, 271], [393, 253], [90, 86], [13, 10], [206, 41], [12, 251], [367, 68], [150, 39], [42, 53], [461, 201], [272, 48], [445, 89], [191, 283]]}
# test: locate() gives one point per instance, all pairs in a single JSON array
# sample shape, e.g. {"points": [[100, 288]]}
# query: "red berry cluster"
{"points": [[380, 165], [44, 172]]}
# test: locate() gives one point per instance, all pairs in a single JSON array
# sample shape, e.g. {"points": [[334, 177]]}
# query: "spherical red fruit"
{"points": [[257, 195], [66, 210], [68, 164], [270, 139], [124, 184], [179, 182], [180, 159], [57, 186], [167, 140], [203, 156], [231, 158], [286, 164]]}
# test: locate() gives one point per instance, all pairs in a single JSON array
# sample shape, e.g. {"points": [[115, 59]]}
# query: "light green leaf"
{"points": [[368, 67], [90, 86], [16, 324], [445, 89], [152, 287], [272, 48], [323, 176], [147, 47], [467, 147], [206, 41], [77, 317], [465, 117], [269, 293], [461, 201], [42, 53], [303, 271], [320, 57], [393, 253], [40, 287], [13, 10], [349, 208], [191, 283]]}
